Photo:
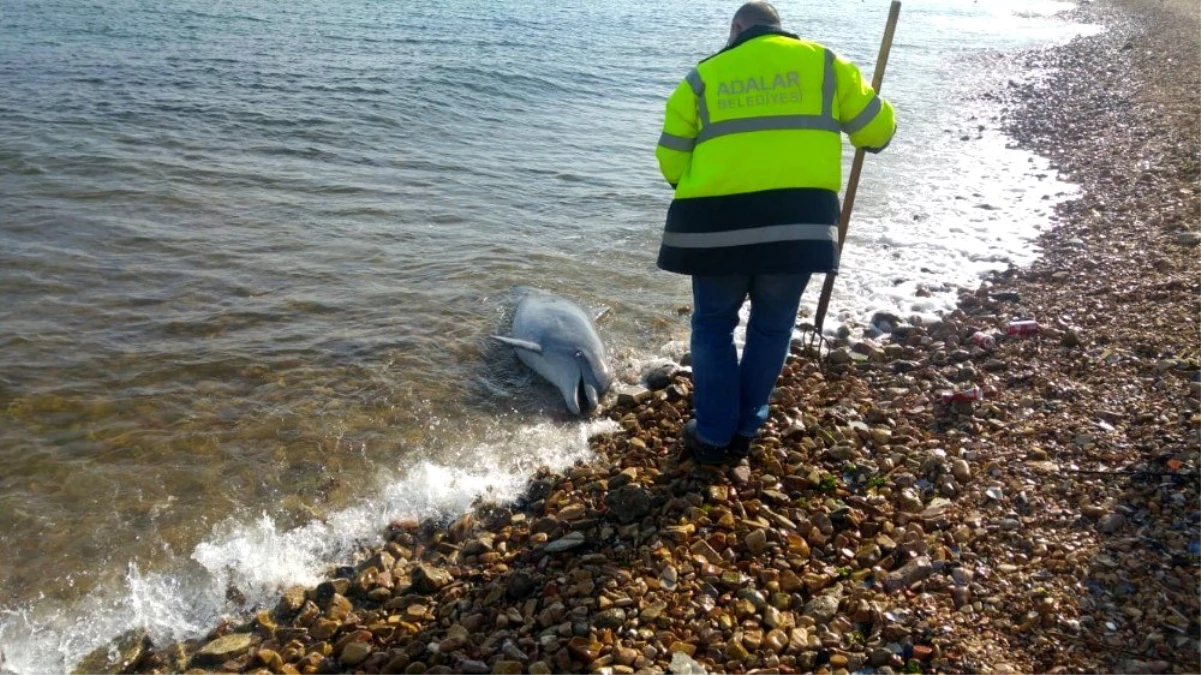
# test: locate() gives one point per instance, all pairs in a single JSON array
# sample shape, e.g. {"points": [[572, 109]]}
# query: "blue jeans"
{"points": [[732, 397]]}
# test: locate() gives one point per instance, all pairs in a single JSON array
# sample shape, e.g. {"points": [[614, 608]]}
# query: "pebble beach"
{"points": [[1051, 525]]}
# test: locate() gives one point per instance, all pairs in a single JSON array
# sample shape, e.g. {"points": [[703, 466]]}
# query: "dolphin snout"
{"points": [[586, 396]]}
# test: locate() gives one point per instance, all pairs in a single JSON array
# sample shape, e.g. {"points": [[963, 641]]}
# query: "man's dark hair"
{"points": [[757, 14]]}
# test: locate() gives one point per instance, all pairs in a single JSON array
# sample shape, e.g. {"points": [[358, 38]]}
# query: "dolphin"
{"points": [[558, 340]]}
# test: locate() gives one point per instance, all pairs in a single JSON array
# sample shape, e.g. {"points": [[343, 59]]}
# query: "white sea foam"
{"points": [[258, 558]]}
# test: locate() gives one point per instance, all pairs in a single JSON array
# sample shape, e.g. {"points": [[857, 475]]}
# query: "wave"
{"points": [[258, 558]]}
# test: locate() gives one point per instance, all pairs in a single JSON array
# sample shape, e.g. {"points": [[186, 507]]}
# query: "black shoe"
{"points": [[739, 448], [704, 453]]}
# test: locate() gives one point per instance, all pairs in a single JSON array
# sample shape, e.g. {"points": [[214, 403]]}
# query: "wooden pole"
{"points": [[848, 201]]}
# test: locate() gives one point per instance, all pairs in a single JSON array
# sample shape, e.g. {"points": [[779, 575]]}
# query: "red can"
{"points": [[984, 341], [1023, 327], [973, 394]]}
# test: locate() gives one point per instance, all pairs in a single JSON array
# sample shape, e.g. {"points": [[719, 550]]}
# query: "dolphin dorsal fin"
{"points": [[520, 344]]}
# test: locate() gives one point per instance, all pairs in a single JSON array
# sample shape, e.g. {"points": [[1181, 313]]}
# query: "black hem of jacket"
{"points": [[724, 213]]}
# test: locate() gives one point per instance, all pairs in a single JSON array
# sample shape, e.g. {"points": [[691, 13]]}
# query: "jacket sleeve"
{"points": [[863, 114], [680, 126]]}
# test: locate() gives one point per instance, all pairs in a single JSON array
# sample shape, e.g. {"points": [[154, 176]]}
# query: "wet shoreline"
{"points": [[875, 526]]}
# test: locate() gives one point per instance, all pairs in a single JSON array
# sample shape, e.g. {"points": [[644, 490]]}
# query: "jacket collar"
{"points": [[757, 31]]}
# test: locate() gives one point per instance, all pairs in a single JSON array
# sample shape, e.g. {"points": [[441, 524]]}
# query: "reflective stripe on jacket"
{"points": [[752, 144]]}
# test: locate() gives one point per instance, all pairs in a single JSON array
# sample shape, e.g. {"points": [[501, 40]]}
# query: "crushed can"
{"points": [[973, 394], [1023, 327], [984, 341]]}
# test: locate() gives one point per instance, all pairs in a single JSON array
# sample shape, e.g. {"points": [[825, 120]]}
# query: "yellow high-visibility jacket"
{"points": [[752, 144]]}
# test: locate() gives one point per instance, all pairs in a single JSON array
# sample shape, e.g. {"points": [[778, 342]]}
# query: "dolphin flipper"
{"points": [[520, 344]]}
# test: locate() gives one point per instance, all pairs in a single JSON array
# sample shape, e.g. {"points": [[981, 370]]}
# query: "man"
{"points": [[752, 145]]}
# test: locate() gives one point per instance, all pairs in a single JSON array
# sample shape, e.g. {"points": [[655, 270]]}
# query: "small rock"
{"points": [[479, 545], [995, 365], [758, 602], [885, 322], [629, 504], [584, 649], [625, 656], [741, 474], [669, 578], [683, 664], [507, 668], [429, 579], [823, 608], [910, 501], [961, 470], [628, 397], [572, 512], [270, 658], [292, 599], [610, 618], [324, 629], [223, 649], [521, 584], [452, 644], [910, 573], [881, 436], [772, 617], [566, 543], [338, 607], [471, 667], [461, 528], [1188, 238], [554, 614], [415, 612], [625, 477], [119, 656], [702, 547], [396, 664], [355, 653], [1111, 523], [840, 356], [653, 611], [756, 541], [659, 377], [775, 641], [735, 651]]}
